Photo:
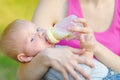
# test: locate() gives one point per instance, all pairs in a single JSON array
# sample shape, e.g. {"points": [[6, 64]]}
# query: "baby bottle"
{"points": [[60, 30]]}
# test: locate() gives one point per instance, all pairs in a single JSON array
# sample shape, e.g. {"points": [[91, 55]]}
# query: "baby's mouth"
{"points": [[47, 40]]}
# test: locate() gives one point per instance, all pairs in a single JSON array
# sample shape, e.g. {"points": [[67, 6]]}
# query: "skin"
{"points": [[90, 9], [31, 40], [43, 58], [99, 49]]}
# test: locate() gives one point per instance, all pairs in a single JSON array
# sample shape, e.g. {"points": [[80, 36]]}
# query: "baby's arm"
{"points": [[87, 43]]}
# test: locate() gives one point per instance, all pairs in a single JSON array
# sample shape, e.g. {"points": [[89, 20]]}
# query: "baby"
{"points": [[22, 40]]}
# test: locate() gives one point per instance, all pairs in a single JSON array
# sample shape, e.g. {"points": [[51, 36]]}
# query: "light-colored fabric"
{"points": [[97, 73], [109, 38]]}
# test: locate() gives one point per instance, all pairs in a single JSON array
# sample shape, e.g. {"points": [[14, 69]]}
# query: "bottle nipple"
{"points": [[51, 37]]}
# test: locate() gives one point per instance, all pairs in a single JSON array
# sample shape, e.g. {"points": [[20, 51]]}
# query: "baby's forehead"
{"points": [[26, 26], [29, 26]]}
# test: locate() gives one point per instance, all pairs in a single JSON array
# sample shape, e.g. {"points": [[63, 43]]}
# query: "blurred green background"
{"points": [[9, 11]]}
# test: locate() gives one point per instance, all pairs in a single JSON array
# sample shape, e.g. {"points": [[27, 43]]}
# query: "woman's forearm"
{"points": [[107, 57], [31, 74], [45, 13], [33, 70]]}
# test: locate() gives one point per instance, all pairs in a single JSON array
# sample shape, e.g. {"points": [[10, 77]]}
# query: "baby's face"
{"points": [[34, 39]]}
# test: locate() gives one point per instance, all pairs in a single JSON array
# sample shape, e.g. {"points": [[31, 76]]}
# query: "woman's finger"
{"points": [[61, 69], [80, 29], [74, 35], [82, 71], [84, 60], [77, 67], [71, 70], [81, 20], [77, 51]]}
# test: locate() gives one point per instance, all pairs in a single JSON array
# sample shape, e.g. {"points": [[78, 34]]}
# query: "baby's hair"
{"points": [[8, 39]]}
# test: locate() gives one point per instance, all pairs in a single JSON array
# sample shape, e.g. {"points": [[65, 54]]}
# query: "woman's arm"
{"points": [[64, 60], [49, 12], [107, 57], [102, 53], [33, 70]]}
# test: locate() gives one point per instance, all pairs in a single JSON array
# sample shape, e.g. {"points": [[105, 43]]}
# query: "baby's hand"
{"points": [[87, 42]]}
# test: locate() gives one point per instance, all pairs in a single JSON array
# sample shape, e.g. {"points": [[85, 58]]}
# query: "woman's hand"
{"points": [[86, 37], [65, 60], [85, 34]]}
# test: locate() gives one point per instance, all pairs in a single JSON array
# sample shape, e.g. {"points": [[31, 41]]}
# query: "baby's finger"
{"points": [[85, 37]]}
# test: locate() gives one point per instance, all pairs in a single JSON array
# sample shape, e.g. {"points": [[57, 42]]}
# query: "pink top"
{"points": [[109, 38]]}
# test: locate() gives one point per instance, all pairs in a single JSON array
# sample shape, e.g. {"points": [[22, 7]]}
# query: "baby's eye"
{"points": [[32, 39], [38, 29]]}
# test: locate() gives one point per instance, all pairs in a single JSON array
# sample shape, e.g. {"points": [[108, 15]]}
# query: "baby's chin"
{"points": [[49, 44]]}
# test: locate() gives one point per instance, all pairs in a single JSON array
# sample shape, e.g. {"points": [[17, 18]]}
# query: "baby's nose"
{"points": [[41, 33]]}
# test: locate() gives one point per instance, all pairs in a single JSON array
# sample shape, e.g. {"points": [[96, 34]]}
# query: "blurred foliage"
{"points": [[14, 9], [9, 11], [8, 68]]}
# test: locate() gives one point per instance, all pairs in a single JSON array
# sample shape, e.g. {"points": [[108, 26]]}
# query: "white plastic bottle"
{"points": [[60, 30]]}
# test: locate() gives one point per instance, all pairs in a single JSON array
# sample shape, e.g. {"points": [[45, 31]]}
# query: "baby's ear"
{"points": [[22, 57]]}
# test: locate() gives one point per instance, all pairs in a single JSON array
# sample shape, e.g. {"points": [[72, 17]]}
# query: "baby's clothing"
{"points": [[96, 73], [112, 75]]}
